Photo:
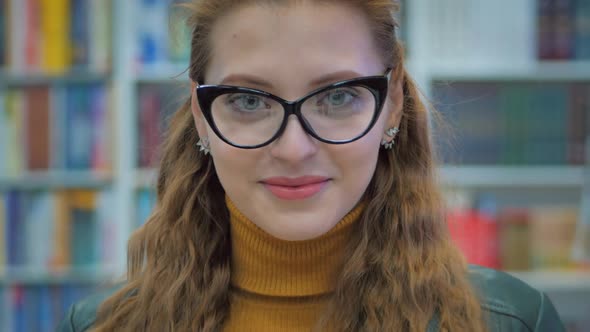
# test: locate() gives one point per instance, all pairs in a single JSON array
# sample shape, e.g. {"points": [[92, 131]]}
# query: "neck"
{"points": [[264, 265]]}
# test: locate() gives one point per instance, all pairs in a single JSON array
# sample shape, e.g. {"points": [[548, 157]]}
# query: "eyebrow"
{"points": [[237, 79]]}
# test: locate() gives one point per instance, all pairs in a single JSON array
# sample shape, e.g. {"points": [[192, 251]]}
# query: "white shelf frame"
{"points": [[540, 177], [28, 275], [50, 180], [537, 71]]}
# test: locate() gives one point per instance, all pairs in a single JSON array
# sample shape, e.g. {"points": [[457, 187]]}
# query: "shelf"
{"points": [[540, 71], [36, 276], [523, 176], [556, 281], [56, 180], [9, 79]]}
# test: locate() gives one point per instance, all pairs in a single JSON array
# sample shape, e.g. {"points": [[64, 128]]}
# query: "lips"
{"points": [[295, 188]]}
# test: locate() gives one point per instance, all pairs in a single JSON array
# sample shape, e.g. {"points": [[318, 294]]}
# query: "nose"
{"points": [[294, 145]]}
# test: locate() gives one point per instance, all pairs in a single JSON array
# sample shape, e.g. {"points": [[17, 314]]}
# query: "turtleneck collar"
{"points": [[265, 265]]}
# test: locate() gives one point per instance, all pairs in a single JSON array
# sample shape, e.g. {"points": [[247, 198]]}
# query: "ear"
{"points": [[395, 105], [200, 122]]}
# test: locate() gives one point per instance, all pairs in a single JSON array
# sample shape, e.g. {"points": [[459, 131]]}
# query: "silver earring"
{"points": [[203, 145], [391, 132]]}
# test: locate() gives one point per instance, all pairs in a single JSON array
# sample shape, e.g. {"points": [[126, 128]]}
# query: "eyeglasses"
{"points": [[339, 113]]}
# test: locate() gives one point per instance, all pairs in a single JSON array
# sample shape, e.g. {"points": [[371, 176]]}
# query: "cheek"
{"points": [[234, 167], [358, 159]]}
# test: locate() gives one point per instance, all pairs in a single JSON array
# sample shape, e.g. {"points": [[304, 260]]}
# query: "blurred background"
{"points": [[87, 87]]}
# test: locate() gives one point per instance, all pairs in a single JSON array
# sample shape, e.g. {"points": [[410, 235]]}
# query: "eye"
{"points": [[336, 98], [247, 102]]}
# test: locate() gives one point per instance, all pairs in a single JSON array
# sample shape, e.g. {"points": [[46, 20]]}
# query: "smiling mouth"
{"points": [[295, 189]]}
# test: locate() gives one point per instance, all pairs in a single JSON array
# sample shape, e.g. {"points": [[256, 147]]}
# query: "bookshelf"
{"points": [[138, 84], [57, 175], [539, 177], [462, 45]]}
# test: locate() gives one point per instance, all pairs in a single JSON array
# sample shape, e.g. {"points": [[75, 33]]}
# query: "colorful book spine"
{"points": [[55, 27], [84, 233], [100, 30], [180, 35], [564, 29], [3, 135], [582, 27], [80, 39], [149, 125], [17, 26], [15, 104], [152, 32], [37, 127], [3, 238], [100, 120], [516, 123], [33, 36], [14, 228], [3, 32], [39, 308]]}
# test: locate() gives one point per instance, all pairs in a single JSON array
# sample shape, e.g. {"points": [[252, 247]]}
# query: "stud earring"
{"points": [[391, 132], [203, 145]]}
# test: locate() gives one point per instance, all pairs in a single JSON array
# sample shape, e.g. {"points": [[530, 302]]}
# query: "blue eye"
{"points": [[336, 98], [246, 102]]}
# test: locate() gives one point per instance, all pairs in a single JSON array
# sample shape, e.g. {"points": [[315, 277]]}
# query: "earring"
{"points": [[203, 145], [391, 132]]}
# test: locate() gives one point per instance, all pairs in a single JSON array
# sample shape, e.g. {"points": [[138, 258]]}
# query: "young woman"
{"points": [[297, 191]]}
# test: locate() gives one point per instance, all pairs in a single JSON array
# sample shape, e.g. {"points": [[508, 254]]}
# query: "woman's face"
{"points": [[295, 188]]}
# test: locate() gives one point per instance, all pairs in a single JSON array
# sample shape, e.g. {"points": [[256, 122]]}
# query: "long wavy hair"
{"points": [[403, 268]]}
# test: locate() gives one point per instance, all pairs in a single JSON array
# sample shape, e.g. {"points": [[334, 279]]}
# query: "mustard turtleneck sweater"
{"points": [[281, 285]]}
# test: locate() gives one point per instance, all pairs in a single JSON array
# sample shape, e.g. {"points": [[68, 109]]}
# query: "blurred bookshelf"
{"points": [[511, 81], [120, 73], [57, 175]]}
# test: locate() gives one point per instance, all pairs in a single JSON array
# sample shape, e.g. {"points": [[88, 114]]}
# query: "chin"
{"points": [[300, 232]]}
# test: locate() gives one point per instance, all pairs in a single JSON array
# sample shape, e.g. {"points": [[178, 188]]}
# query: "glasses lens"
{"points": [[247, 119], [341, 113]]}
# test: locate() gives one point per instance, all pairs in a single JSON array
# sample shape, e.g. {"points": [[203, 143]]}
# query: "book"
{"points": [[552, 236], [100, 31], [14, 228], [61, 252], [564, 29], [39, 308], [180, 35], [37, 127], [152, 43], [13, 115], [84, 230], [100, 120], [149, 125], [80, 34], [577, 117], [4, 134], [3, 239], [3, 32], [582, 30], [56, 44]]}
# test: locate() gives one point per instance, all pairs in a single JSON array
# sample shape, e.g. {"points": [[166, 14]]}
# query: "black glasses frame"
{"points": [[377, 85]]}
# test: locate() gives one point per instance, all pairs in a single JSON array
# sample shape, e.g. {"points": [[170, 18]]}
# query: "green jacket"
{"points": [[510, 305]]}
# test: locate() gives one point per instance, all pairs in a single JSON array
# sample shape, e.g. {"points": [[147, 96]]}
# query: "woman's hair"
{"points": [[403, 268]]}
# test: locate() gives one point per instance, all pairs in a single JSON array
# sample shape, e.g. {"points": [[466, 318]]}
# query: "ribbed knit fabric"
{"points": [[281, 285]]}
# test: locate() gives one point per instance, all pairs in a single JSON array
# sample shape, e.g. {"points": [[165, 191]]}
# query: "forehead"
{"points": [[296, 41]]}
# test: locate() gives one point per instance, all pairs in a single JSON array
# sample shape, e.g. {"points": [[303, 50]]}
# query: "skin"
{"points": [[290, 51]]}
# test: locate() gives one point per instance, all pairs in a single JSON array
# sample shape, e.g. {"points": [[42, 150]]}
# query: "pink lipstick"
{"points": [[295, 188]]}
